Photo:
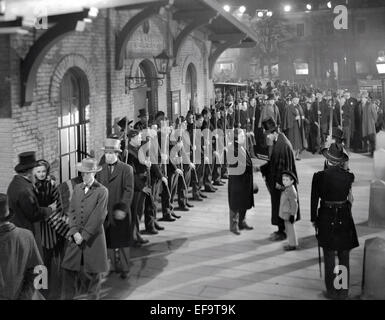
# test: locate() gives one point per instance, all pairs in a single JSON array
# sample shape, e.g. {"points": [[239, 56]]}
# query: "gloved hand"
{"points": [[291, 219]]}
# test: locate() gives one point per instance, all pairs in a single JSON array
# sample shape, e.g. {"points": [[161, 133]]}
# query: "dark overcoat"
{"points": [[120, 185], [24, 205], [281, 159], [240, 185], [336, 229], [86, 216], [19, 256]]}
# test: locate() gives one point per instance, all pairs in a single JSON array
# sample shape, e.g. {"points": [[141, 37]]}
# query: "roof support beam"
{"points": [[219, 50], [130, 27], [182, 36], [224, 37], [31, 63], [189, 14]]}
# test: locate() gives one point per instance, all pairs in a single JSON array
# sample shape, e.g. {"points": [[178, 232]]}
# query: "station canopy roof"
{"points": [[223, 28]]}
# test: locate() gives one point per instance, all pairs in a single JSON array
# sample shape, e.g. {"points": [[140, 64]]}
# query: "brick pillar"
{"points": [[109, 46], [5, 85]]}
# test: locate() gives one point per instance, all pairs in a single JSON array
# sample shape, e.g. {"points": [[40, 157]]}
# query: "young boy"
{"points": [[289, 207]]}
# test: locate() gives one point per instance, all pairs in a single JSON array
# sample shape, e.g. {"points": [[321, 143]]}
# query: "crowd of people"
{"points": [[83, 229]]}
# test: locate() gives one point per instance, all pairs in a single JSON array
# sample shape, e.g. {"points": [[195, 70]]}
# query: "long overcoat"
{"points": [[120, 185], [240, 186], [86, 216], [369, 119], [281, 159], [336, 229]]}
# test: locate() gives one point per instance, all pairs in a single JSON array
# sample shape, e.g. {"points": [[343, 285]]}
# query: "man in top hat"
{"points": [[270, 110], [320, 106], [19, 256], [331, 215], [85, 257], [281, 159], [22, 199], [294, 126], [143, 122], [118, 178]]}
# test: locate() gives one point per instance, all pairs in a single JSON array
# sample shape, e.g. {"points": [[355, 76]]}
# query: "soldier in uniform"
{"points": [[200, 167], [143, 122], [331, 215], [217, 147], [143, 203], [160, 172], [208, 173], [195, 180]]}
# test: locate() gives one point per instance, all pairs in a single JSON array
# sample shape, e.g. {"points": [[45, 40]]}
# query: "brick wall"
{"points": [[93, 51]]}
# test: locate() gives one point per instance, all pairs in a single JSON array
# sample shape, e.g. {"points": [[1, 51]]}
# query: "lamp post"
{"points": [[162, 62], [380, 64], [377, 187]]}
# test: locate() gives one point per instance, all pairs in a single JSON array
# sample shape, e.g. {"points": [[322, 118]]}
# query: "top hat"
{"points": [[4, 211], [142, 113], [337, 133], [132, 133], [335, 153], [27, 160], [122, 123], [269, 125], [291, 174], [112, 145], [88, 165]]}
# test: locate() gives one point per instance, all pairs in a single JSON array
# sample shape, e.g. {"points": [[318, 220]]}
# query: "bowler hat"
{"points": [[4, 211], [88, 165], [269, 125], [27, 160], [132, 133], [142, 113], [122, 123], [291, 174], [112, 145], [335, 153], [337, 133]]}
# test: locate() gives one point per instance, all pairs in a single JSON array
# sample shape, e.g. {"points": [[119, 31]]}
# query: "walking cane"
{"points": [[319, 253]]}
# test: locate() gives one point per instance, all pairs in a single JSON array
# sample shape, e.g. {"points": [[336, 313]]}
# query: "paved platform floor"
{"points": [[197, 257]]}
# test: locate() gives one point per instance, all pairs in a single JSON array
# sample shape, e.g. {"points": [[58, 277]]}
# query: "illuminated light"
{"points": [[329, 4], [269, 13], [287, 8], [242, 9], [2, 7], [260, 14], [22, 31], [226, 8], [93, 12], [308, 6]]}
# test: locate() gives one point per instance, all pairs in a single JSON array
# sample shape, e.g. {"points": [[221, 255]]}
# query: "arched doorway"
{"points": [[146, 96], [73, 121], [191, 87]]}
